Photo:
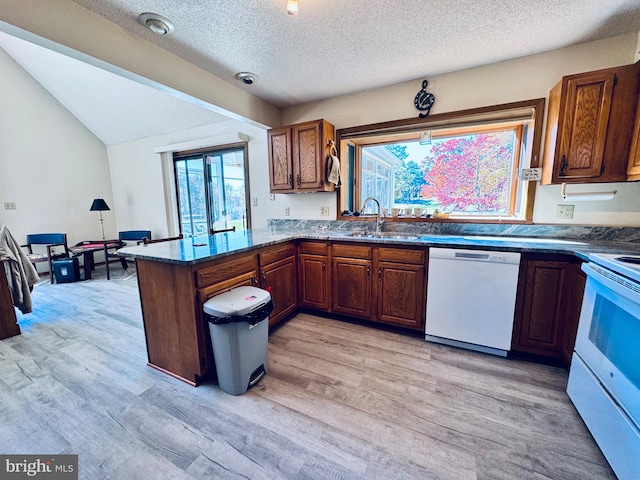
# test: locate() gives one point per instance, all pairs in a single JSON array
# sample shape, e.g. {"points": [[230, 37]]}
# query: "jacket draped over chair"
{"points": [[22, 275]]}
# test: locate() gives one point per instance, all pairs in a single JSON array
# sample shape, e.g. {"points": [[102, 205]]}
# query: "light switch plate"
{"points": [[9, 205], [531, 174], [324, 211]]}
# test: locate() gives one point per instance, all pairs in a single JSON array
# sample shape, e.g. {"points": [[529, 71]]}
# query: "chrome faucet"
{"points": [[379, 219]]}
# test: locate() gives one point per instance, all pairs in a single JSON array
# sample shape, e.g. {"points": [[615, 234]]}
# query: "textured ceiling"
{"points": [[335, 47], [115, 109], [331, 48]]}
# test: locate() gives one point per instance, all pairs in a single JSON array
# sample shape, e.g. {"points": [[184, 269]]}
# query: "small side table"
{"points": [[88, 247]]}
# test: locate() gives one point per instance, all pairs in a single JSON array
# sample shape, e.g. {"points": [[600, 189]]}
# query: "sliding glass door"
{"points": [[212, 190]]}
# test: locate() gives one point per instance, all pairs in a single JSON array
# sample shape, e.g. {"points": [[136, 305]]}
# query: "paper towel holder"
{"points": [[585, 196]]}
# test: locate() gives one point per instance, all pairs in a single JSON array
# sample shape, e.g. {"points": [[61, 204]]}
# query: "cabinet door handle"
{"points": [[324, 266], [368, 271], [379, 273], [264, 280], [255, 280], [563, 165], [298, 179], [290, 180]]}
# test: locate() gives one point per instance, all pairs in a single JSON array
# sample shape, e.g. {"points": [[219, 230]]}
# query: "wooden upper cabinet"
{"points": [[280, 166], [589, 126], [633, 170], [584, 127], [298, 157]]}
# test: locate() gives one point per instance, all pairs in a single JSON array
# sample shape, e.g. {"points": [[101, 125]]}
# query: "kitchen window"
{"points": [[465, 164], [212, 189]]}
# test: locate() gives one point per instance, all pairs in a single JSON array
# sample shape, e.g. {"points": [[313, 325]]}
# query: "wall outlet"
{"points": [[564, 211], [255, 201], [324, 211], [287, 211], [272, 196], [9, 205]]}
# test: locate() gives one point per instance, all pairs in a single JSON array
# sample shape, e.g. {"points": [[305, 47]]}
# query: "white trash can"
{"points": [[239, 327]]}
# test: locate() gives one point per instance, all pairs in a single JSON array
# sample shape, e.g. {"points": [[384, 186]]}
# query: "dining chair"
{"points": [[125, 236], [47, 241]]}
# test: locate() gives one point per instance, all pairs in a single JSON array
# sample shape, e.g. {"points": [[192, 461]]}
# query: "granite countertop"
{"points": [[195, 250]]}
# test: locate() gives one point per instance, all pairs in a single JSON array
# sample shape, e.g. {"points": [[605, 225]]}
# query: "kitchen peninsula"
{"points": [[330, 270]]}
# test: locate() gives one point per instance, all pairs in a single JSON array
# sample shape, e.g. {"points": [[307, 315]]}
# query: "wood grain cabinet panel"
{"points": [[633, 168], [314, 281], [571, 327], [280, 165], [298, 157], [174, 331], [549, 301], [248, 279], [352, 286], [401, 294], [281, 280], [589, 126], [225, 269]]}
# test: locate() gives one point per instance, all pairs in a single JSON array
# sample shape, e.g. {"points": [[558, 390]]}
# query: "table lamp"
{"points": [[99, 205]]}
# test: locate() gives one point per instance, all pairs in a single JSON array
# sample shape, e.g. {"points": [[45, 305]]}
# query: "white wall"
{"points": [[68, 28], [51, 166], [136, 174], [514, 80]]}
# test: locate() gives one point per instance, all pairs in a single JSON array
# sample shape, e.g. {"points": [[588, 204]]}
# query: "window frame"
{"points": [[478, 118], [204, 153]]}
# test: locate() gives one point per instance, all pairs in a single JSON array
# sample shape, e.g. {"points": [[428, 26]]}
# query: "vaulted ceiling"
{"points": [[331, 48]]}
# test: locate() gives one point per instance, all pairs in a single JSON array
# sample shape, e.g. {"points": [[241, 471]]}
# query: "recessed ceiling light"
{"points": [[247, 78], [292, 7], [156, 23]]}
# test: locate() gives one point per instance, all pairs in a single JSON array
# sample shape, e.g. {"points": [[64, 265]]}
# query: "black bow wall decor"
{"points": [[424, 100]]}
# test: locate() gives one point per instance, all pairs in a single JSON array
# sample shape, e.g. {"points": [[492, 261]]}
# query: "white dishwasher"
{"points": [[471, 296]]}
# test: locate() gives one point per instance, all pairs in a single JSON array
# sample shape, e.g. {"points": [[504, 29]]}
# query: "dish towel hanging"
{"points": [[333, 167]]}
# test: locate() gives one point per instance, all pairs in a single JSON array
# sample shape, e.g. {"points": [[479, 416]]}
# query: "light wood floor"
{"points": [[340, 401]]}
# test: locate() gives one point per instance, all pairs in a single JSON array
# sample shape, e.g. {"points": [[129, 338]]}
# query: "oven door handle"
{"points": [[614, 286]]}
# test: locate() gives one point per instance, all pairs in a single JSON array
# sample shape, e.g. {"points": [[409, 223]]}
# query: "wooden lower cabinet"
{"points": [[548, 301], [571, 328], [382, 284], [401, 294], [377, 283], [313, 275], [352, 286], [278, 275], [171, 296], [401, 288]]}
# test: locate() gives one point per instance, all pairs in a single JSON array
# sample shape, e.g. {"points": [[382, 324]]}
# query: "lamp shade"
{"points": [[99, 205]]}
